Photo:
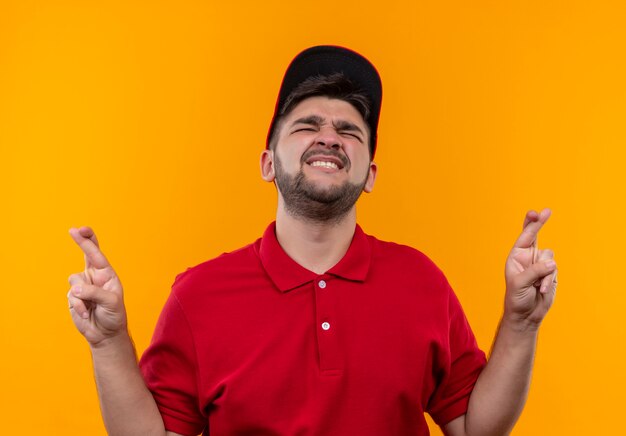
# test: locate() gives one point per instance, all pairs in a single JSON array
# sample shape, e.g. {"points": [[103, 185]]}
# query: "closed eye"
{"points": [[347, 128], [305, 129], [354, 135]]}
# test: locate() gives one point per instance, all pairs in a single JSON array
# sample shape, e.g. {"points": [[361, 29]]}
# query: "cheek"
{"points": [[360, 171], [288, 147], [289, 157], [360, 160]]}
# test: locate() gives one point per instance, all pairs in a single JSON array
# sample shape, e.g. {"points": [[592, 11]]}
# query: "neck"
{"points": [[316, 246]]}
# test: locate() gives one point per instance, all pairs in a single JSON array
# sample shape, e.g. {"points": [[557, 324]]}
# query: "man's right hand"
{"points": [[97, 307], [95, 298]]}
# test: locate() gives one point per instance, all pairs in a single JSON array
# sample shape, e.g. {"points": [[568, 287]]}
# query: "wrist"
{"points": [[117, 342], [515, 337], [519, 325]]}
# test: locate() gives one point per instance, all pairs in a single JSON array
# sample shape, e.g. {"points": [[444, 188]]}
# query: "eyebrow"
{"points": [[314, 120], [342, 125]]}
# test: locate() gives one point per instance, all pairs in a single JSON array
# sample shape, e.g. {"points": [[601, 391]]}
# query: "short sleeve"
{"points": [[170, 370], [460, 367]]}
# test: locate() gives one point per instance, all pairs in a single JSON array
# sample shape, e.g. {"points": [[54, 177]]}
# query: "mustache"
{"points": [[344, 160]]}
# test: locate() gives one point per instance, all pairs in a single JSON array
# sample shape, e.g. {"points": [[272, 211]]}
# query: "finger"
{"points": [[546, 283], [77, 279], [549, 283], [528, 237], [538, 256], [78, 306], [531, 216], [534, 273], [87, 232], [86, 239], [547, 297], [97, 295], [112, 284]]}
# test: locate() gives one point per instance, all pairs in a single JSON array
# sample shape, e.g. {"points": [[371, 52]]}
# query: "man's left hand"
{"points": [[530, 276]]}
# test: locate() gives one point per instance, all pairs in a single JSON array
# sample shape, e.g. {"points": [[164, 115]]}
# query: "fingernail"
{"points": [[85, 315], [76, 290], [550, 264]]}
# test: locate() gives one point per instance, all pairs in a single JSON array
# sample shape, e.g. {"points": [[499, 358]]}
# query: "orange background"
{"points": [[145, 120]]}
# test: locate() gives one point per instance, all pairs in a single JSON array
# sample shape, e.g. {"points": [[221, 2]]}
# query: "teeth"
{"points": [[319, 163]]}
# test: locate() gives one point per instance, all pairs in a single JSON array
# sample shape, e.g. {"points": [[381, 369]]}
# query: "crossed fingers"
{"points": [[86, 239], [533, 222]]}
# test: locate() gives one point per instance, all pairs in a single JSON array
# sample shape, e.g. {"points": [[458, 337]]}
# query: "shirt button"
{"points": [[322, 284], [325, 326]]}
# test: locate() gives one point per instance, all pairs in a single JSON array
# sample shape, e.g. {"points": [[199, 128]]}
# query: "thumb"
{"points": [[94, 294], [534, 273]]}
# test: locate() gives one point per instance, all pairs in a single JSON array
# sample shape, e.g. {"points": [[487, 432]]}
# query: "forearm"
{"points": [[127, 405], [502, 388]]}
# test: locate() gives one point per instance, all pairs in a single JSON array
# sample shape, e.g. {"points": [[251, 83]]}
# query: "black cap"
{"points": [[326, 60]]}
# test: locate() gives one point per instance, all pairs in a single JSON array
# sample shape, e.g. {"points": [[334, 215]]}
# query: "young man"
{"points": [[316, 328]]}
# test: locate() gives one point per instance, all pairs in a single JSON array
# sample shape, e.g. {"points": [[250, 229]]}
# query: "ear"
{"points": [[267, 166], [371, 177]]}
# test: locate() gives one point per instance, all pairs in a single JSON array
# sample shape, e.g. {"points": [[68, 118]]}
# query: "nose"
{"points": [[328, 137]]}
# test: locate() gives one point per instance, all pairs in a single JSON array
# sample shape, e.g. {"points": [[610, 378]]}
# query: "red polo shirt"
{"points": [[253, 343]]}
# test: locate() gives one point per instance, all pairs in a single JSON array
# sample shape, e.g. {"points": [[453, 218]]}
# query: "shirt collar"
{"points": [[286, 274]]}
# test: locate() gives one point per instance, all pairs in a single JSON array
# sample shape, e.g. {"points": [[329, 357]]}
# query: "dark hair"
{"points": [[335, 85]]}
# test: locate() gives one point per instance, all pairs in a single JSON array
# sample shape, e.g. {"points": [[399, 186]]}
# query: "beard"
{"points": [[305, 200]]}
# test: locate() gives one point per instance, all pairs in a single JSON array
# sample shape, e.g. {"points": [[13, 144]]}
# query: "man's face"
{"points": [[321, 159]]}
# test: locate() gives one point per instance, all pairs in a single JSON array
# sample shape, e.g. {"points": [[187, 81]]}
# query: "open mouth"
{"points": [[331, 162], [319, 163]]}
